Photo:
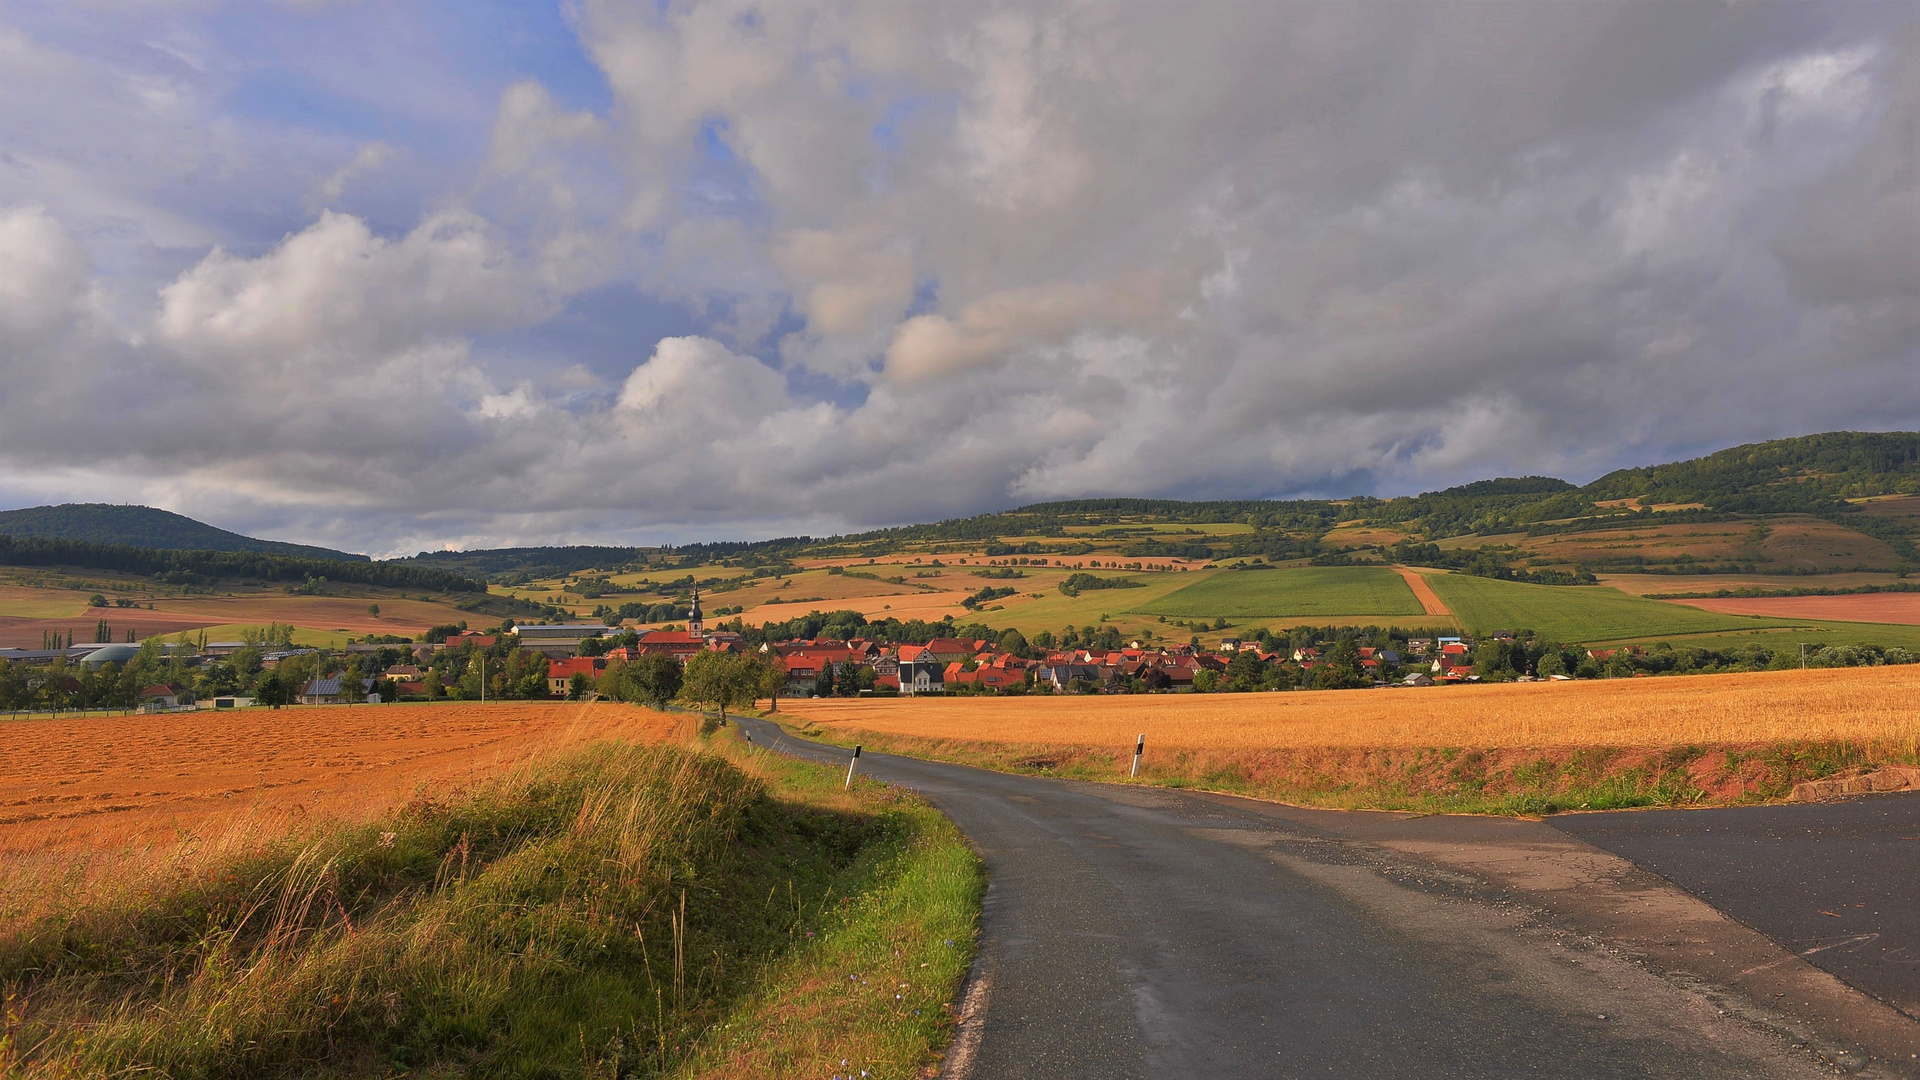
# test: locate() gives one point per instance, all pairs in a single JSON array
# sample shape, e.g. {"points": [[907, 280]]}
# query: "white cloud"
{"points": [[945, 256]]}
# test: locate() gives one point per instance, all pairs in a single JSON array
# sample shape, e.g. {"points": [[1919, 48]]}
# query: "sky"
{"points": [[398, 275]]}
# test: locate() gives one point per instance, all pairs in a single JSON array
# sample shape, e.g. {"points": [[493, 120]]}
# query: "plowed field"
{"points": [[1901, 608], [135, 781]]}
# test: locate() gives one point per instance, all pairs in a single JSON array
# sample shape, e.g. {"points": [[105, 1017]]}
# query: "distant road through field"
{"points": [[1143, 932], [1429, 599]]}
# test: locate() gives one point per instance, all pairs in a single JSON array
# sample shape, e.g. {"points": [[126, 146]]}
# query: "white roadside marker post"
{"points": [[1139, 747], [851, 764]]}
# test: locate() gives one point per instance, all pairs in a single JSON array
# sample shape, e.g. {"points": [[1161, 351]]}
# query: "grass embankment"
{"points": [[1514, 749], [688, 909]]}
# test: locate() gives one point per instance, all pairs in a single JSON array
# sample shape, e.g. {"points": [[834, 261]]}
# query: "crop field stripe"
{"points": [[1297, 591], [1423, 591]]}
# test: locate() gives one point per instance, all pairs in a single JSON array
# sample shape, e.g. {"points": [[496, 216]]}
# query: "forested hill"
{"points": [[1813, 473], [145, 527]]}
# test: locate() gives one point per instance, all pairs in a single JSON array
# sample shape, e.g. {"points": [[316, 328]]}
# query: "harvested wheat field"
{"points": [[1515, 748], [1838, 703], [129, 782]]}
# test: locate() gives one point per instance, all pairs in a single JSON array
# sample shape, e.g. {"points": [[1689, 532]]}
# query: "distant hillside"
{"points": [[1812, 474], [145, 527]]}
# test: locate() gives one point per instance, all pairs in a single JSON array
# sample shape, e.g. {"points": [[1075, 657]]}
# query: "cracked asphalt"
{"points": [[1133, 931]]}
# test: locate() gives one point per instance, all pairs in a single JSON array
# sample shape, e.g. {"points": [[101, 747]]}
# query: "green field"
{"points": [[1583, 613], [1302, 592], [1595, 613]]}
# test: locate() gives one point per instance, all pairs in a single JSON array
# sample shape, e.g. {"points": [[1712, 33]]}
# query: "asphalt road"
{"points": [[1837, 883], [1141, 932]]}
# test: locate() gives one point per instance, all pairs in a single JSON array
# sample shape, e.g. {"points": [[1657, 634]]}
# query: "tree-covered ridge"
{"points": [[145, 527], [191, 567], [1810, 474]]}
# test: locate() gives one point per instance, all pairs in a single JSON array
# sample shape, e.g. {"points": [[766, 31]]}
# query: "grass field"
{"points": [[1525, 748], [1591, 614], [1301, 592], [1572, 613], [663, 904]]}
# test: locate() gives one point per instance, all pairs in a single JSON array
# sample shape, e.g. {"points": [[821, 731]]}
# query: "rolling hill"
{"points": [[145, 527]]}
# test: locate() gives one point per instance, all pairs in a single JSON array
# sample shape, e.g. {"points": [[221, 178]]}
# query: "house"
{"points": [[560, 673], [472, 637], [1305, 654], [558, 640], [996, 675], [327, 691], [678, 643], [947, 650], [1419, 646], [802, 671], [1231, 644], [401, 673], [925, 675], [1418, 678], [1064, 675], [171, 695]]}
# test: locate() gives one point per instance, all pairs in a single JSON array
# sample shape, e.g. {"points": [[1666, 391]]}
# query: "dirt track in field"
{"points": [[1429, 599], [129, 781]]}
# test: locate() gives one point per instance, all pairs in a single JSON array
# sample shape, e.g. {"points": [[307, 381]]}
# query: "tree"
{"points": [[1206, 680], [272, 690], [823, 682], [373, 610], [770, 677], [579, 686], [652, 678], [722, 679]]}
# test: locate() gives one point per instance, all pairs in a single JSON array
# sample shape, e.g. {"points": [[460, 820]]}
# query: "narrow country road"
{"points": [[1141, 932]]}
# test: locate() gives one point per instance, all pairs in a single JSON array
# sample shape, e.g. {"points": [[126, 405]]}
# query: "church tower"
{"points": [[695, 625]]}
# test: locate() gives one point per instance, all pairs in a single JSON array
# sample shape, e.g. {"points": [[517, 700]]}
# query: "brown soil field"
{"points": [[1906, 507], [130, 782], [1429, 600], [1361, 536], [174, 614], [1850, 703], [918, 605], [1901, 608], [1793, 542], [1643, 584]]}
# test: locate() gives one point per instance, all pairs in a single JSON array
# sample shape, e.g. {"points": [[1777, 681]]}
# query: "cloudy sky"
{"points": [[399, 274]]}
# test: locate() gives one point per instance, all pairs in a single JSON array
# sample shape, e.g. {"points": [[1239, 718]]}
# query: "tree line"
{"points": [[37, 551]]}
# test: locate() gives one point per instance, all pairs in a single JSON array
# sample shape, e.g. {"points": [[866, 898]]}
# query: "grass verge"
{"points": [[689, 909], [1509, 781]]}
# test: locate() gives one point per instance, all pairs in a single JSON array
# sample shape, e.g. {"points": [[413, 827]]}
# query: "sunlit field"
{"points": [[1843, 703]]}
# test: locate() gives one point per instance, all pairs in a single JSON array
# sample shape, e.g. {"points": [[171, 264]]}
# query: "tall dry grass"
{"points": [[1859, 704]]}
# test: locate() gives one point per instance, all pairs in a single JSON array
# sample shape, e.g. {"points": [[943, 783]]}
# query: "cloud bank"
{"points": [[806, 268]]}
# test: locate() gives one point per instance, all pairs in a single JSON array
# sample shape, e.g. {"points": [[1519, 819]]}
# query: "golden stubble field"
{"points": [[1868, 704], [130, 783]]}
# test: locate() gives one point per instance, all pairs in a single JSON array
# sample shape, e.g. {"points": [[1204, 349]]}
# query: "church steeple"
{"points": [[695, 625]]}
